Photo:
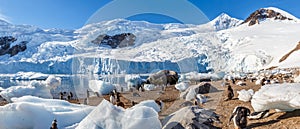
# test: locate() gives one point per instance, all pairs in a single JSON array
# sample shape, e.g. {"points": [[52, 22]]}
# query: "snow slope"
{"points": [[261, 46]]}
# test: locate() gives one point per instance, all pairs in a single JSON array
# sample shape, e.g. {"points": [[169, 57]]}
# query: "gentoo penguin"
{"points": [[54, 124], [196, 102], [118, 96], [133, 103], [112, 98], [86, 101], [70, 96], [114, 91], [87, 93], [61, 96], [230, 93], [201, 99], [239, 116], [259, 115]]}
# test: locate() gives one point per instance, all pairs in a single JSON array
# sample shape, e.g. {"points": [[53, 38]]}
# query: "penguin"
{"points": [[230, 93], [114, 91], [54, 124], [85, 101], [112, 98], [196, 102], [141, 88], [133, 103], [233, 80], [118, 97], [87, 93], [61, 96], [71, 95], [262, 81], [259, 115], [239, 116]]}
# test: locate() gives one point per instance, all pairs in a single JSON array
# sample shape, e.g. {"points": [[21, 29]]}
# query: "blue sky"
{"points": [[72, 14]]}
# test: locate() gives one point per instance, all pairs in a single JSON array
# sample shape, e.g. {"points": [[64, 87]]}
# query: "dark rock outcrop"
{"points": [[262, 14], [7, 48], [119, 40]]}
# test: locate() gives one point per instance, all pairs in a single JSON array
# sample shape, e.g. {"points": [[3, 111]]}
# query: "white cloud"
{"points": [[3, 17]]}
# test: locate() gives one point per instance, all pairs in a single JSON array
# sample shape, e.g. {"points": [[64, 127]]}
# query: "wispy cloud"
{"points": [[4, 17]]}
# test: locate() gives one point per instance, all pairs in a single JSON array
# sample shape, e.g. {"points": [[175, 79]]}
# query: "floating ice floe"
{"points": [[245, 95], [29, 112], [35, 88], [108, 116], [101, 87], [283, 97]]}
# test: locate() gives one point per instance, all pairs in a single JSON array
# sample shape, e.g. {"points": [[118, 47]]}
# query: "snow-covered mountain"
{"points": [[223, 44], [224, 21], [34, 36]]}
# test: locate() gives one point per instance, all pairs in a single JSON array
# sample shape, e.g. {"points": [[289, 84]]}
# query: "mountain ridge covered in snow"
{"points": [[224, 21], [224, 44]]}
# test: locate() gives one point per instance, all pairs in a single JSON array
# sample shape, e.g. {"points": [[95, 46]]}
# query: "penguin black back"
{"points": [[230, 93], [239, 116], [54, 124]]}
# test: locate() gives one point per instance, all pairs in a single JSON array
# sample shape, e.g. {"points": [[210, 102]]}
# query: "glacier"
{"points": [[224, 44]]}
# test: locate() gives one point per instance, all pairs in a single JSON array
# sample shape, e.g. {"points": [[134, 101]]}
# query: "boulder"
{"points": [[190, 117], [163, 77], [192, 91]]}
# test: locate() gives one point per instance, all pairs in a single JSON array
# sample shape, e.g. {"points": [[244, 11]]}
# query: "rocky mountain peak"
{"points": [[267, 13]]}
